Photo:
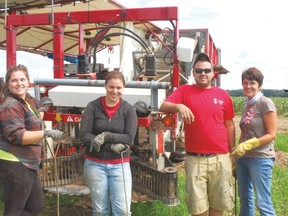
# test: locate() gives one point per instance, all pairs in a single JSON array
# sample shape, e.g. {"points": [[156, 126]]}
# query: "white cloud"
{"points": [[249, 33], [37, 65]]}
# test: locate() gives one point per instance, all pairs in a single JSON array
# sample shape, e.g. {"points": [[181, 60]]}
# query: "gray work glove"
{"points": [[45, 104], [117, 148], [97, 142], [55, 134]]}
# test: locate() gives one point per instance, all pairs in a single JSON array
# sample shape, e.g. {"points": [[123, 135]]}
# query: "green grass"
{"points": [[280, 191], [281, 142], [81, 205], [280, 103], [158, 208]]}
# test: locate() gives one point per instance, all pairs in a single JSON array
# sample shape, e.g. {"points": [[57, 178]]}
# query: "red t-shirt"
{"points": [[211, 107]]}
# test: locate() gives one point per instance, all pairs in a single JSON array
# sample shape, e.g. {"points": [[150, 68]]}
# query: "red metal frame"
{"points": [[61, 117], [58, 54], [81, 17], [61, 19], [95, 16], [10, 50], [210, 48], [76, 118]]}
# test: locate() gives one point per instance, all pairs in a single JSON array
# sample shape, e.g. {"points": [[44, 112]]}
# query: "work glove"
{"points": [[45, 104], [97, 142], [55, 134], [117, 148], [239, 150]]}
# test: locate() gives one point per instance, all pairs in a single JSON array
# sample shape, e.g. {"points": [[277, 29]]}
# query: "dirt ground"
{"points": [[282, 124], [83, 207], [282, 157]]}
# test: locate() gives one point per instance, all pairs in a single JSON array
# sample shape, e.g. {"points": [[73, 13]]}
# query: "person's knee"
{"points": [[36, 209]]}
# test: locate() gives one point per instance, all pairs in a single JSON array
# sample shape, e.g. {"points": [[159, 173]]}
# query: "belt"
{"points": [[200, 154]]}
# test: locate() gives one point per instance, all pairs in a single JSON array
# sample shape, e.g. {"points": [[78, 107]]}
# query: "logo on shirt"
{"points": [[217, 101], [249, 116]]}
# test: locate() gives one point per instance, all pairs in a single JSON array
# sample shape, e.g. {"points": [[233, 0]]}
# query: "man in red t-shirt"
{"points": [[207, 113]]}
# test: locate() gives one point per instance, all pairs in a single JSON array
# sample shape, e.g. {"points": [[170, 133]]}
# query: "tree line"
{"points": [[266, 92]]}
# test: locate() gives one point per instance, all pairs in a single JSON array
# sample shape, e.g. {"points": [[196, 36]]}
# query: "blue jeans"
{"points": [[106, 183], [255, 174]]}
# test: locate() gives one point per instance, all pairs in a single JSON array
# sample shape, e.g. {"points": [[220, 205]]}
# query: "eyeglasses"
{"points": [[199, 70]]}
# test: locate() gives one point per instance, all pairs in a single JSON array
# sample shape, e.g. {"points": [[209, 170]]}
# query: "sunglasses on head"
{"points": [[199, 70]]}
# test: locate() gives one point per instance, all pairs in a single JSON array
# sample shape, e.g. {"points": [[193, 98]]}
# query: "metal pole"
{"points": [[124, 180], [235, 208], [5, 13], [153, 86], [79, 82]]}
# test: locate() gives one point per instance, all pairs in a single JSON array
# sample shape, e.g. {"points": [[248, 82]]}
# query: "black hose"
{"points": [[93, 45], [115, 34], [119, 27]]}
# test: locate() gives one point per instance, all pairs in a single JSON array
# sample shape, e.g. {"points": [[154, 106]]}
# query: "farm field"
{"points": [[81, 204], [281, 104]]}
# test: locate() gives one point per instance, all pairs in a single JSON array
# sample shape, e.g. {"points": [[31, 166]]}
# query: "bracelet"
{"points": [[177, 107]]}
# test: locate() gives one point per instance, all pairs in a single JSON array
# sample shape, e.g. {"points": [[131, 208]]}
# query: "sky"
{"points": [[249, 34]]}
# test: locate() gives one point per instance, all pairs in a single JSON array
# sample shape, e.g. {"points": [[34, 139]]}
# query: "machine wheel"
{"points": [[170, 170], [178, 155]]}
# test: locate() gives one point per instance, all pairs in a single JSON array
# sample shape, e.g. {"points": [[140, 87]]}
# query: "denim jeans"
{"points": [[255, 174], [106, 184]]}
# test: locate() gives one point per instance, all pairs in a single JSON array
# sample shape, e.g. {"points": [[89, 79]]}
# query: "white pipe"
{"points": [[52, 10], [5, 22]]}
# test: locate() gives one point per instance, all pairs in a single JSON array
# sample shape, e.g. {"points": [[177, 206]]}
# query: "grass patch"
{"points": [[281, 142], [158, 208], [280, 191], [81, 205]]}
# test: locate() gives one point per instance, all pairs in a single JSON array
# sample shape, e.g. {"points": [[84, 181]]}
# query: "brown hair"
{"points": [[10, 72], [201, 57], [16, 68], [253, 74], [115, 75]]}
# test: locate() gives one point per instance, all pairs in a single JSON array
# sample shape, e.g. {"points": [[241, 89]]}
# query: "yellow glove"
{"points": [[239, 150]]}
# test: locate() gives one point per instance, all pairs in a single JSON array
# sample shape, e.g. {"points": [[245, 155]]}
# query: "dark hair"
{"points": [[115, 75], [253, 74], [13, 69], [201, 57]]}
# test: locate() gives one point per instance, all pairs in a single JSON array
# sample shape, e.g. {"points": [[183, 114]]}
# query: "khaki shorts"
{"points": [[209, 183]]}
